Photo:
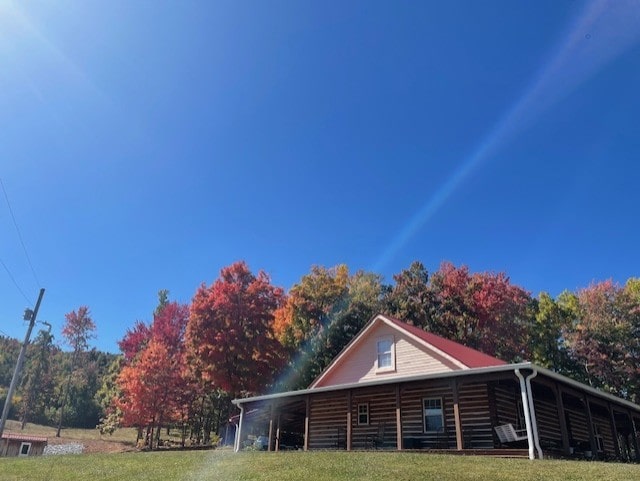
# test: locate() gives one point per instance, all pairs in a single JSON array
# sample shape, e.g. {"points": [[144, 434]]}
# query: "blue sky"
{"points": [[145, 145]]}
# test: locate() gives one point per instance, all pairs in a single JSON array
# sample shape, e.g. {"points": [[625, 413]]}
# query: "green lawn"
{"points": [[123, 435], [297, 466]]}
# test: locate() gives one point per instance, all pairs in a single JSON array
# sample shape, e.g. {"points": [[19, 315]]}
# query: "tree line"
{"points": [[241, 335], [57, 387]]}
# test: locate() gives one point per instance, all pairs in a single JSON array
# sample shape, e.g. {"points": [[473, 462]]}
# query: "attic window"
{"points": [[386, 354]]}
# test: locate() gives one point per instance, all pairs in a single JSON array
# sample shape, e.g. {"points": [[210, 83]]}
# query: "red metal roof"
{"points": [[24, 437], [466, 355]]}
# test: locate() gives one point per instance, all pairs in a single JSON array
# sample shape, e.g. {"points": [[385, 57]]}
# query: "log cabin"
{"points": [[395, 386]]}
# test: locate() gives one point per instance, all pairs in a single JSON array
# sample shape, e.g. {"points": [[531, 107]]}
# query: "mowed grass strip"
{"points": [[298, 466]]}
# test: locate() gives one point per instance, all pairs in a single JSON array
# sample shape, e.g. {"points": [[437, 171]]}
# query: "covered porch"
{"points": [[455, 413]]}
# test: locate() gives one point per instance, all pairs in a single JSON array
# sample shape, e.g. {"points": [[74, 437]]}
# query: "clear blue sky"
{"points": [[146, 144]]}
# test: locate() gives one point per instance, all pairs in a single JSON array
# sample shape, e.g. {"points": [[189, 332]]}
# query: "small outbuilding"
{"points": [[18, 444]]}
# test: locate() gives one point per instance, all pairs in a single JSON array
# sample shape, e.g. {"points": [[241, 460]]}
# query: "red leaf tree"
{"points": [[77, 330], [604, 338], [230, 336], [134, 341], [482, 310], [152, 385]]}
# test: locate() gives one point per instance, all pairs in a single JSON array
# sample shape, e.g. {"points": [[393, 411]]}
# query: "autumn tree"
{"points": [[134, 341], [230, 336], [146, 397], [604, 336], [484, 311], [311, 304], [151, 384], [323, 313], [79, 328]]}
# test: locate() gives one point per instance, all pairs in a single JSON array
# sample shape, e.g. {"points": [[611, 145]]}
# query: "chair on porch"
{"points": [[508, 434], [376, 441]]}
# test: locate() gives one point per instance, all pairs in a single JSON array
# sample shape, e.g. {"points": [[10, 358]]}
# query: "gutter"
{"points": [[390, 380], [536, 435], [236, 444], [533, 439]]}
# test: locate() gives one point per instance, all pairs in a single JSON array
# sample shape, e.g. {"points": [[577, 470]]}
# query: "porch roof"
{"points": [[445, 375]]}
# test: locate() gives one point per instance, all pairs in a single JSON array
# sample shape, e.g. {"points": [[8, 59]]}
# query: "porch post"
{"points": [[592, 436], [349, 409], [278, 434], [634, 433], [306, 424], [564, 432], [398, 419], [270, 444], [456, 415], [614, 429]]}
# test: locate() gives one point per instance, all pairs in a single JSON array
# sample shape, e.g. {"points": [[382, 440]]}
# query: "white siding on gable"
{"points": [[411, 357]]}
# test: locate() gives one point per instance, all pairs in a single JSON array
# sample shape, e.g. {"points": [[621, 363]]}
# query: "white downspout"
{"points": [[236, 447], [527, 414], [536, 437]]}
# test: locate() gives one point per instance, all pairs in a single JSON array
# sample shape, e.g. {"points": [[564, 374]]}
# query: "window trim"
{"points": [[392, 352], [365, 405], [28, 445], [424, 414]]}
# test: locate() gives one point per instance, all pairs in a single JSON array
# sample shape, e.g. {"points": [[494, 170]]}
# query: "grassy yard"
{"points": [[296, 466], [122, 435]]}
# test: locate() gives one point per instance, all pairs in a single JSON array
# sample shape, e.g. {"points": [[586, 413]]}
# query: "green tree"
{"points": [[410, 299], [38, 381], [107, 397], [548, 346]]}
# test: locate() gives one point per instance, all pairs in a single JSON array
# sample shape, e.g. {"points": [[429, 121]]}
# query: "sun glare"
{"points": [[605, 30]]}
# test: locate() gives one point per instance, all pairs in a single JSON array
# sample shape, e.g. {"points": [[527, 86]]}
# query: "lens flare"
{"points": [[604, 31]]}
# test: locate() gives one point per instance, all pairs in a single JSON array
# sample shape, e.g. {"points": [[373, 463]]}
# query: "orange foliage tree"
{"points": [[152, 383]]}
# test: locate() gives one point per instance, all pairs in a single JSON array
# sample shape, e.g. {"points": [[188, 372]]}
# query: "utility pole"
{"points": [[23, 350]]}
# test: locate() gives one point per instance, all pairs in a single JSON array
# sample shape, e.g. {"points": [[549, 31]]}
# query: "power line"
{"points": [[24, 247], [14, 282]]}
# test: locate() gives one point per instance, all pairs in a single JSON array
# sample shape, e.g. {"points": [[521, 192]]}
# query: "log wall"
{"points": [[475, 416], [412, 416], [381, 430], [328, 421], [548, 422]]}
